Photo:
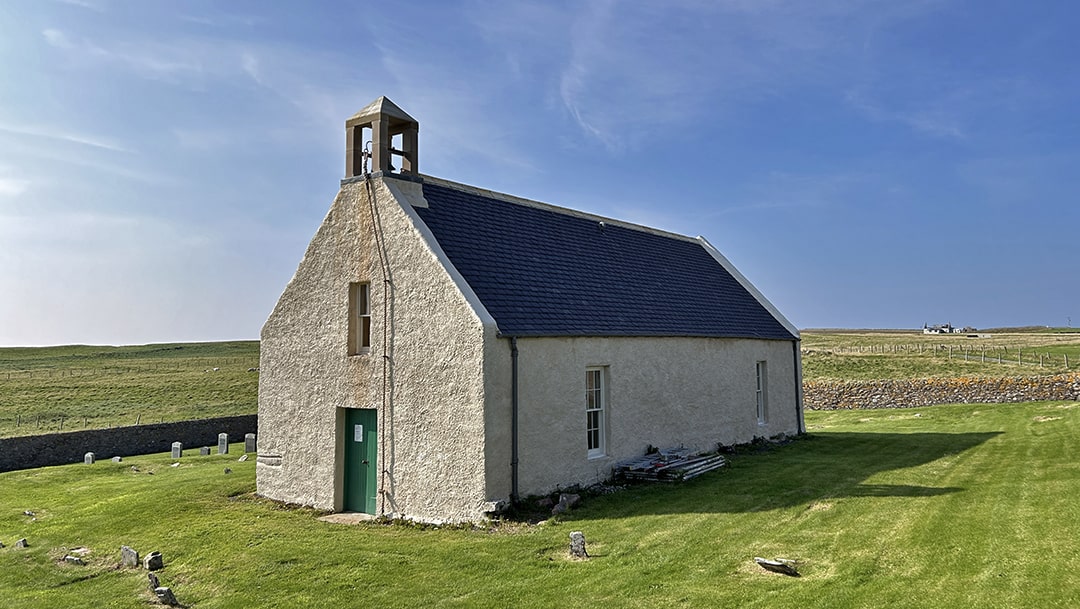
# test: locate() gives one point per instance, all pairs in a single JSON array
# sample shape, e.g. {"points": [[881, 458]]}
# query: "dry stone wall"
{"points": [[28, 452], [850, 395]]}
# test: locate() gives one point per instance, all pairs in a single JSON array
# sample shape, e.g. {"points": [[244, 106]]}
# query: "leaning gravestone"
{"points": [[249, 443], [22, 543], [129, 557], [177, 450], [204, 451], [166, 597], [223, 444], [153, 561], [154, 581], [577, 545], [88, 458]]}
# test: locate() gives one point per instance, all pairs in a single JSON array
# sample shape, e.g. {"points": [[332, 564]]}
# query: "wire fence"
{"points": [[993, 354]]}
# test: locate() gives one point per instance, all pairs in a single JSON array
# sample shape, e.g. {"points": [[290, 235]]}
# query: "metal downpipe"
{"points": [[513, 419]]}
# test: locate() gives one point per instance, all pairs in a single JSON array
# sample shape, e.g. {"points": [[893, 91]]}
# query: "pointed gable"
{"points": [[545, 271]]}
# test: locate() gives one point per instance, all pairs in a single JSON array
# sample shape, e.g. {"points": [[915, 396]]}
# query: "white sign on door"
{"points": [[358, 433]]}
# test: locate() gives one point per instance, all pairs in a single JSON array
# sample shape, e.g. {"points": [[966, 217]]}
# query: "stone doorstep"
{"points": [[347, 518]]}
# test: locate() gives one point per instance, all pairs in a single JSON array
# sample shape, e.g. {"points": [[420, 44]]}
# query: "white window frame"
{"points": [[596, 408], [359, 318], [761, 391]]}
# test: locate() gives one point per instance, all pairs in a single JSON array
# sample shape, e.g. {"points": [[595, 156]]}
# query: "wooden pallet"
{"points": [[669, 466]]}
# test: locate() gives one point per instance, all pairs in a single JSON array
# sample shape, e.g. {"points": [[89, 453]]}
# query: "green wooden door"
{"points": [[361, 466]]}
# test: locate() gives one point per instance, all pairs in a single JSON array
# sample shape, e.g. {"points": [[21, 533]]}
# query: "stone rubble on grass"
{"points": [[228, 471], [242, 458], [566, 501], [74, 560], [22, 543], [117, 459], [155, 583]]}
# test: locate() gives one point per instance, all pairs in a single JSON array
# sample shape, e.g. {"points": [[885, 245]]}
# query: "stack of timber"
{"points": [[669, 465]]}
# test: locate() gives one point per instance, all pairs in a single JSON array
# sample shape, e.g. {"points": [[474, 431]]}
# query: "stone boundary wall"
{"points": [[26, 452], [852, 395]]}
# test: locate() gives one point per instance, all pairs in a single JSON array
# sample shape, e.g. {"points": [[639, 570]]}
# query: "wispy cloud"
{"points": [[94, 6], [626, 80], [62, 134], [933, 118], [153, 60]]}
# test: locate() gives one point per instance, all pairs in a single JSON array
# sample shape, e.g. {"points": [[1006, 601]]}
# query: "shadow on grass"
{"points": [[817, 467]]}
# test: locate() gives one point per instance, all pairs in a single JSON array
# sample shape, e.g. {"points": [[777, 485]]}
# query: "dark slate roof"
{"points": [[549, 272]]}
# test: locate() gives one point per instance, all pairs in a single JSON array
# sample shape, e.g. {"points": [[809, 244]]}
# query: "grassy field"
{"points": [[950, 506], [79, 387], [867, 355], [42, 388]]}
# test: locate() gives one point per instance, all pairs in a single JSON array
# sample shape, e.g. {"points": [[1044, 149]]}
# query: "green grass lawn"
{"points": [[949, 506], [79, 387]]}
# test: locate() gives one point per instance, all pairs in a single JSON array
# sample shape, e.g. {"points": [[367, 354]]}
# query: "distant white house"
{"points": [[946, 329]]}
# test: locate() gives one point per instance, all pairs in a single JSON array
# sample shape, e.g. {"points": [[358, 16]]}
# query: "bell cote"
{"points": [[380, 131]]}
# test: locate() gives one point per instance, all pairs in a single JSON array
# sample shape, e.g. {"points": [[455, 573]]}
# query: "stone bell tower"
{"points": [[385, 121]]}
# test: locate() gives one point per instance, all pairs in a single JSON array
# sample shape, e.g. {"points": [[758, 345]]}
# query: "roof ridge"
{"points": [[566, 211]]}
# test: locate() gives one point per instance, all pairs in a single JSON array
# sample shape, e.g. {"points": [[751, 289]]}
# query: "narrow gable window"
{"points": [[359, 318], [595, 406], [762, 393]]}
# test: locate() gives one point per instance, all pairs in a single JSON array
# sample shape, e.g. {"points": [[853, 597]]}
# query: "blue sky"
{"points": [[865, 163]]}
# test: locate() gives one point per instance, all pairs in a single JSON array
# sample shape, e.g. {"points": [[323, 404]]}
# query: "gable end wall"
{"points": [[431, 411]]}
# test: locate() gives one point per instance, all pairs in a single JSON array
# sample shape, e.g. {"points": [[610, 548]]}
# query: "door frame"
{"points": [[346, 419]]}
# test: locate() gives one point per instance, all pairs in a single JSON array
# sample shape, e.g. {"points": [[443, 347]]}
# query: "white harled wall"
{"points": [[665, 392], [432, 435]]}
